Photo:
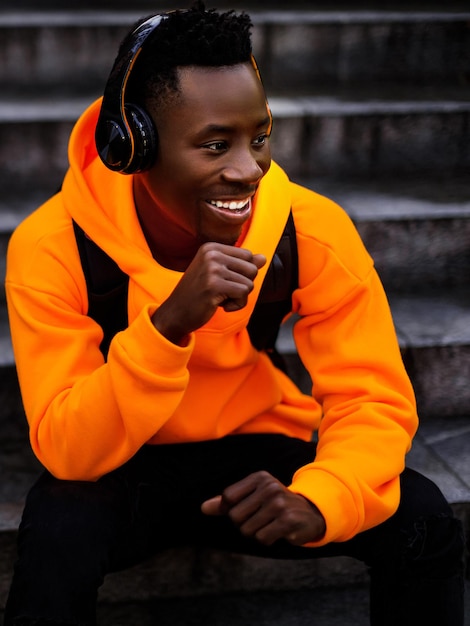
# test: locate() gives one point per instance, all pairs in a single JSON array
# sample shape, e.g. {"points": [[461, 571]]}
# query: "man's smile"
{"points": [[232, 205]]}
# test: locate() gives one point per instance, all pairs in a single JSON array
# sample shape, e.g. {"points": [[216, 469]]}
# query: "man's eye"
{"points": [[261, 140], [216, 146]]}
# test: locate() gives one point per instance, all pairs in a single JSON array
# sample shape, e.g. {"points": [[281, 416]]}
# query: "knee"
{"points": [[435, 546], [431, 537], [421, 497], [72, 516], [422, 536]]}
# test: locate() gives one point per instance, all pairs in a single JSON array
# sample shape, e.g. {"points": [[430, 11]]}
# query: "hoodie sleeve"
{"points": [[110, 406], [346, 338]]}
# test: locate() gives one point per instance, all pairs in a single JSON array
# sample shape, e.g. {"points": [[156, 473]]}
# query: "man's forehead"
{"points": [[211, 72], [196, 82], [215, 96]]}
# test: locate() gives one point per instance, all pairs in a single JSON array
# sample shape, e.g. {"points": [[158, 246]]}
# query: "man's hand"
{"points": [[219, 275], [265, 509]]}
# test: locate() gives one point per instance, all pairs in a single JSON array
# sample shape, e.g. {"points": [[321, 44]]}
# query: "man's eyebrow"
{"points": [[221, 128], [265, 122], [214, 128]]}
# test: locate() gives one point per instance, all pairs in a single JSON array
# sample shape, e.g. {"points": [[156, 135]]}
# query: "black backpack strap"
{"points": [[275, 299], [107, 287]]}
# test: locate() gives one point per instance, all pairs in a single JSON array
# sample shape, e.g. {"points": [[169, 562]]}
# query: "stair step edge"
{"points": [[110, 17]]}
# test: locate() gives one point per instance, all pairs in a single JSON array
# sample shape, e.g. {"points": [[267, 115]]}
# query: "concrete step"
{"points": [[436, 349], [366, 136], [326, 607], [346, 606], [313, 136], [433, 330], [354, 46], [247, 5], [321, 607], [417, 231], [74, 49]]}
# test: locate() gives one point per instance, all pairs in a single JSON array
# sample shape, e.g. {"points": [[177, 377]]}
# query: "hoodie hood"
{"points": [[101, 202]]}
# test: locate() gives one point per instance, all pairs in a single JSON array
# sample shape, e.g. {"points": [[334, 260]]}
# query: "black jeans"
{"points": [[73, 533]]}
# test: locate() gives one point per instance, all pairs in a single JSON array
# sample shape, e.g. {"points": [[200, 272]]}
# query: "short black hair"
{"points": [[193, 37]]}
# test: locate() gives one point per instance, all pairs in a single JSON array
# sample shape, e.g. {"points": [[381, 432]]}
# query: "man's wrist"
{"points": [[170, 331]]}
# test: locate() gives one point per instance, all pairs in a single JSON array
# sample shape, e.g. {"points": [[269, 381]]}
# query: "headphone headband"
{"points": [[115, 141]]}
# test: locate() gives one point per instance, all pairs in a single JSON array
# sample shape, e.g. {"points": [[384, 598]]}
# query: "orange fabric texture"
{"points": [[88, 417]]}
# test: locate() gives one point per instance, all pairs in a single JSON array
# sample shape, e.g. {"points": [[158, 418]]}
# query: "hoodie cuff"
{"points": [[150, 348], [333, 500]]}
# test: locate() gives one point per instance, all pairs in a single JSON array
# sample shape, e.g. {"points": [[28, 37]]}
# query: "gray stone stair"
{"points": [[73, 50], [313, 136], [416, 230], [372, 108], [349, 93]]}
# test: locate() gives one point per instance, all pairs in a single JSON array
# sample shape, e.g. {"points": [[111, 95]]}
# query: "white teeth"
{"points": [[232, 206]]}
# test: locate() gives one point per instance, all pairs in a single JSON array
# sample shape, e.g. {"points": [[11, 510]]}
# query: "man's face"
{"points": [[213, 152]]}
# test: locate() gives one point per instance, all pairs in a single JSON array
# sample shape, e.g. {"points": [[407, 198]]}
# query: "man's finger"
{"points": [[213, 506], [259, 260]]}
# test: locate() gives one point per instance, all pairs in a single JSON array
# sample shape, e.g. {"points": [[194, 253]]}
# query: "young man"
{"points": [[184, 433]]}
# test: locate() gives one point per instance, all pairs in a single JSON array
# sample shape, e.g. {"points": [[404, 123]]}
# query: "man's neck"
{"points": [[170, 246]]}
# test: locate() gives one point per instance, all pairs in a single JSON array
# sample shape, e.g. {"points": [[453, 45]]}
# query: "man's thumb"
{"points": [[212, 506], [259, 260]]}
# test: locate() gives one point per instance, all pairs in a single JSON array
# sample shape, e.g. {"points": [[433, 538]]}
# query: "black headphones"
{"points": [[125, 135]]}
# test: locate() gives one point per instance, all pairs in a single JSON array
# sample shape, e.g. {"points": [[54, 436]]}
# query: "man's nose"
{"points": [[245, 167]]}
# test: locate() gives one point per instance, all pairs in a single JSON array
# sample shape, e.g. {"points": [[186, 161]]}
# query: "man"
{"points": [[184, 433]]}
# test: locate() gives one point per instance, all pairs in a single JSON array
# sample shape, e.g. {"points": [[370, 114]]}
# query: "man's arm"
{"points": [[87, 417]]}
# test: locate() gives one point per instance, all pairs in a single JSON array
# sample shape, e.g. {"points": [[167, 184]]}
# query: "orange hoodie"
{"points": [[88, 417]]}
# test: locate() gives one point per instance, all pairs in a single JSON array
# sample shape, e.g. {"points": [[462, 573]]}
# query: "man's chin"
{"points": [[227, 241]]}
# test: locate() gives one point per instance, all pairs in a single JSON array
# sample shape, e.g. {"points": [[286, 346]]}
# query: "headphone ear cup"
{"points": [[113, 143], [145, 139]]}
